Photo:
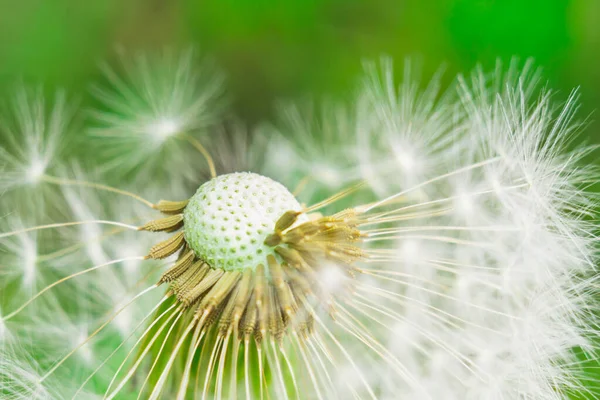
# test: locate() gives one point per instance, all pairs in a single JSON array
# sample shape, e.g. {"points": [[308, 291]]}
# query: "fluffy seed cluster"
{"points": [[443, 244], [263, 292]]}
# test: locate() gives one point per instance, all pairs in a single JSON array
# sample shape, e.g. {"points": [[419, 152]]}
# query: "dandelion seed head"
{"points": [[403, 134], [35, 171], [166, 127], [293, 259], [21, 256], [229, 217], [280, 152], [412, 251], [465, 205], [152, 108], [32, 132], [347, 380], [407, 154]]}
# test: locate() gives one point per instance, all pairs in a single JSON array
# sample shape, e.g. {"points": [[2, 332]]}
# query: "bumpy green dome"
{"points": [[229, 217]]}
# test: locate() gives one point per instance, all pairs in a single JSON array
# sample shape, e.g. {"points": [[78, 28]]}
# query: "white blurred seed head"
{"points": [[20, 257], [33, 142], [148, 106]]}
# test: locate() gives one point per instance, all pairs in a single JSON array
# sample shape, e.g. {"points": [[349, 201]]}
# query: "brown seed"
{"points": [[169, 224], [171, 207], [182, 264], [167, 247]]}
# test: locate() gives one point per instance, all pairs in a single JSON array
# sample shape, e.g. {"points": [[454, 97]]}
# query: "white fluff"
{"points": [[148, 106], [508, 268], [32, 141], [19, 379], [485, 291], [493, 280]]}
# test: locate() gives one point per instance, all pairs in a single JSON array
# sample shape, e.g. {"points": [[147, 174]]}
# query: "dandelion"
{"points": [[33, 141], [149, 117], [455, 259]]}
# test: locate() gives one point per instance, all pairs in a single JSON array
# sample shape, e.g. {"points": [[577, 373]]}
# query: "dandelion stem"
{"points": [[211, 164], [99, 186], [18, 310], [65, 224]]}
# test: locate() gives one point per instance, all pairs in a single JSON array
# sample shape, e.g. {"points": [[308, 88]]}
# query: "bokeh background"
{"points": [[274, 49]]}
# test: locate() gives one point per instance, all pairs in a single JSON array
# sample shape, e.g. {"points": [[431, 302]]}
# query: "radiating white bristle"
{"points": [[33, 141], [516, 274], [146, 110], [494, 273], [19, 379]]}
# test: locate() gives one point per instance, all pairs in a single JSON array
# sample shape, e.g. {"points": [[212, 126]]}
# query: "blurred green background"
{"points": [[274, 49]]}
